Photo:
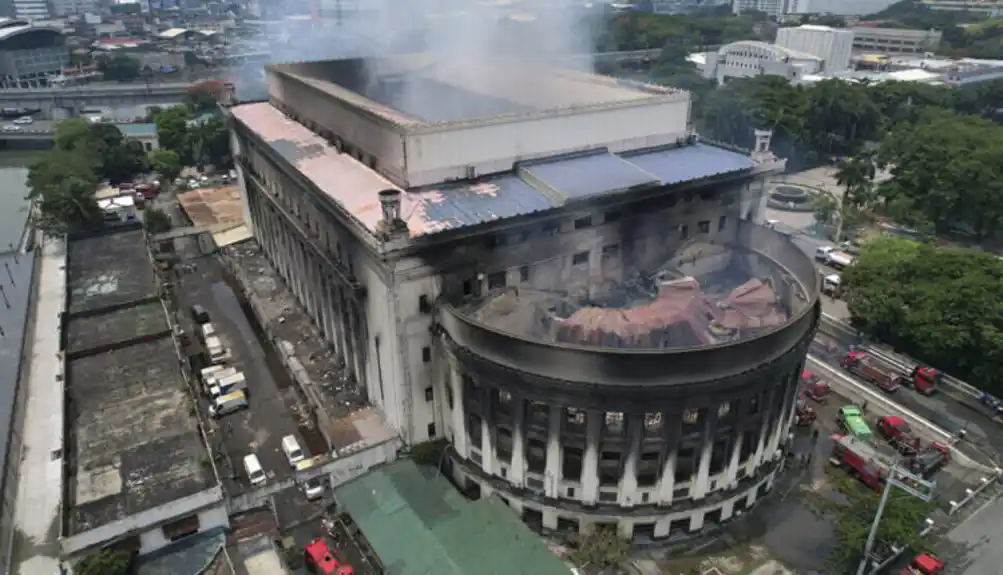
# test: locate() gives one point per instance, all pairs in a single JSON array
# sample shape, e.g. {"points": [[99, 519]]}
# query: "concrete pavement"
{"points": [[40, 487]]}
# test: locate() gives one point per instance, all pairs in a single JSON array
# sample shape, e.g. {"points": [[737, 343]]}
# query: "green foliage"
{"points": [[946, 168], [105, 562], [428, 453], [602, 547], [825, 207], [156, 221], [901, 521], [119, 68], [199, 101], [165, 162], [204, 142], [711, 27], [104, 147], [944, 305]]}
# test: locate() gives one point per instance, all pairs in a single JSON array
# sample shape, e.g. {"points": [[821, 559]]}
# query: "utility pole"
{"points": [[917, 487]]}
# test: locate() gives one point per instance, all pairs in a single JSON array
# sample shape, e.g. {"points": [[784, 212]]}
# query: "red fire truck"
{"points": [[924, 564], [320, 560], [861, 459], [814, 388], [888, 376]]}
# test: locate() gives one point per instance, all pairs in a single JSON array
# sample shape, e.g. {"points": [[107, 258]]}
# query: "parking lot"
{"points": [[276, 409]]}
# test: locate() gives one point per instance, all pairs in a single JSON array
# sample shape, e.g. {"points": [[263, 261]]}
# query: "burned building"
{"points": [[545, 267]]}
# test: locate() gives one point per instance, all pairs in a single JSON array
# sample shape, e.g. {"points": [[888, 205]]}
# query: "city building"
{"points": [[26, 9], [837, 7], [683, 6], [29, 54], [75, 7], [773, 8], [137, 471], [510, 260], [926, 70], [895, 40], [750, 58], [991, 8], [833, 45]]}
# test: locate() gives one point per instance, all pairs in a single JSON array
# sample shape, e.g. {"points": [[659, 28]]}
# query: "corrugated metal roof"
{"points": [[689, 163], [429, 210], [590, 175], [418, 524], [459, 205]]}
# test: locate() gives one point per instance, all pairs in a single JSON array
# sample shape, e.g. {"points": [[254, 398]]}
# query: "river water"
{"points": [[13, 189]]}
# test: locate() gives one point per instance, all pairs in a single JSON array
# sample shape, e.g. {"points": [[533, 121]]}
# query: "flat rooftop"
{"points": [[109, 270], [692, 301], [422, 89], [121, 325], [133, 443], [527, 188]]}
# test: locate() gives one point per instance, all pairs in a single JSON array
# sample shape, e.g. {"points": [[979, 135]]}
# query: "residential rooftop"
{"points": [[529, 187], [132, 442], [108, 270]]}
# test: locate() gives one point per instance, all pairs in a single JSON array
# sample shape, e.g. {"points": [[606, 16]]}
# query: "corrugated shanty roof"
{"points": [[418, 524], [532, 187]]}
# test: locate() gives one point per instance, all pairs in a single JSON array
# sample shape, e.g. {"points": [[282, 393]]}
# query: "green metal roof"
{"points": [[419, 524]]}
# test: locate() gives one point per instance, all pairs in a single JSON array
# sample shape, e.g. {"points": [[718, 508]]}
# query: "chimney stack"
{"points": [[392, 226], [390, 201]]}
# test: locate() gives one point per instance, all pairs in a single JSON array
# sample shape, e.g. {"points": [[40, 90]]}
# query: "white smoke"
{"points": [[474, 33]]}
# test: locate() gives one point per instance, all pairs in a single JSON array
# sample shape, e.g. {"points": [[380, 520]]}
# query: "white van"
{"points": [[207, 330], [227, 404], [291, 448], [255, 474], [219, 372], [208, 372], [217, 353], [228, 384]]}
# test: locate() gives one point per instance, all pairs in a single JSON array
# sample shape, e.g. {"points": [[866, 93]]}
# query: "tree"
{"points": [[204, 96], [172, 130], [156, 221], [166, 162], [67, 206], [119, 68], [943, 305], [105, 562], [602, 547], [825, 207], [125, 162], [209, 143], [903, 519]]}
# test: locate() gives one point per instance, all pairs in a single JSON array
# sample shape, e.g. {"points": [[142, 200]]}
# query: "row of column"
{"points": [[305, 274], [772, 431]]}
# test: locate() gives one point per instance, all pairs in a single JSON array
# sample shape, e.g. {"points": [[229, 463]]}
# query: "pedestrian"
{"points": [[863, 408], [808, 458], [814, 435]]}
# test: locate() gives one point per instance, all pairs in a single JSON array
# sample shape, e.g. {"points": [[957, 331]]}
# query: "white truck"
{"points": [[833, 257], [217, 351]]}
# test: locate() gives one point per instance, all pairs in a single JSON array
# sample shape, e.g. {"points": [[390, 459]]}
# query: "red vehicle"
{"points": [[889, 377], [861, 459], [899, 434], [924, 564], [814, 388], [322, 561]]}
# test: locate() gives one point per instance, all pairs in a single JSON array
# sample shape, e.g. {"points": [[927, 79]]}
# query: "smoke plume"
{"points": [[474, 33]]}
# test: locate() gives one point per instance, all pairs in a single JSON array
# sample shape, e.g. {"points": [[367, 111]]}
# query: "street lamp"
{"points": [[917, 487]]}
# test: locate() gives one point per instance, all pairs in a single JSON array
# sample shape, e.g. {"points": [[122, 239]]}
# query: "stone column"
{"points": [[702, 483], [780, 428], [517, 467], [738, 439], [627, 494], [488, 453], [767, 399], [458, 412], [590, 458], [552, 473], [667, 480]]}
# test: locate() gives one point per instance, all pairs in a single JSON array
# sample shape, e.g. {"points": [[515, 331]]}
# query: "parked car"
{"points": [[199, 314]]}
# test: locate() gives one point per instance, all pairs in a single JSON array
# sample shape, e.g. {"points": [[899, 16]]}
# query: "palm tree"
{"points": [[856, 176]]}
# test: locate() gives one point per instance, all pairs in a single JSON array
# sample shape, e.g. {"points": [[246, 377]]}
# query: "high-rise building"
{"points": [[772, 8], [833, 45]]}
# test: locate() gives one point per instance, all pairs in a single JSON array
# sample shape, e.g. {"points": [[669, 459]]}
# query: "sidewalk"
{"points": [[37, 510]]}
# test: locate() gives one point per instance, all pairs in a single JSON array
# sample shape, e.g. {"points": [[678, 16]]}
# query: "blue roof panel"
{"points": [[590, 175], [467, 204], [689, 163]]}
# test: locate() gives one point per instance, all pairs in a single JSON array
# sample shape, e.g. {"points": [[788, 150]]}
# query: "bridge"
{"points": [[71, 101], [39, 130]]}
